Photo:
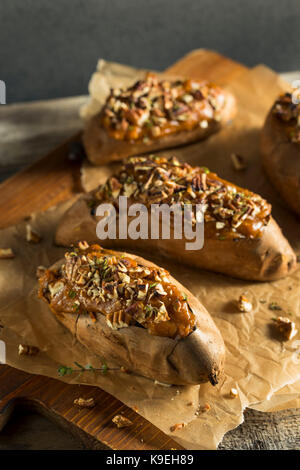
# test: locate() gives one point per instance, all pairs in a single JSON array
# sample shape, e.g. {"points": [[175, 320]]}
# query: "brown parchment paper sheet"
{"points": [[255, 91], [283, 399], [258, 363]]}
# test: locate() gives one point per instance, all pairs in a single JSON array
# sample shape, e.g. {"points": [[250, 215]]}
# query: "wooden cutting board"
{"points": [[51, 180]]}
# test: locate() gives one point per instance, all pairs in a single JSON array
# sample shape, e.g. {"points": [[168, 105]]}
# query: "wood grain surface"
{"points": [[93, 426], [28, 131]]}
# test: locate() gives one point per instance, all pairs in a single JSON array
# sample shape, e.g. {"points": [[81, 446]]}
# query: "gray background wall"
{"points": [[49, 48]]}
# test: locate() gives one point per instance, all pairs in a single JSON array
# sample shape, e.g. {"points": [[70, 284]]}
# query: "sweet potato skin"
{"points": [[101, 148], [262, 259], [281, 161], [195, 359]]}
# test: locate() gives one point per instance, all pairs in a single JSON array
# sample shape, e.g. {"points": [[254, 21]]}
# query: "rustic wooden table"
{"points": [[27, 132]]}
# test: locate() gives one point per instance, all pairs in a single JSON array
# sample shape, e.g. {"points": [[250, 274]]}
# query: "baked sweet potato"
{"points": [[126, 309], [280, 149], [241, 238], [153, 115]]}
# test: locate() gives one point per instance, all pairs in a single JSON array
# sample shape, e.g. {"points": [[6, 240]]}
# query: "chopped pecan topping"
{"points": [[83, 245], [151, 108], [26, 350], [121, 422], [289, 113], [162, 384], [286, 327], [116, 320], [128, 293], [40, 270], [228, 209]]}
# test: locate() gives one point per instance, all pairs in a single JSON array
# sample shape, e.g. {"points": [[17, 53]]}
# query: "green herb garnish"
{"points": [[153, 285], [104, 368], [205, 169], [65, 370], [274, 306]]}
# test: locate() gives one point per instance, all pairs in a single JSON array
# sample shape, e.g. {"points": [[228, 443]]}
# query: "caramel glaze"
{"points": [[164, 310]]}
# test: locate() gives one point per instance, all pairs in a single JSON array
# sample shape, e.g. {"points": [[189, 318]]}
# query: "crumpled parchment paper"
{"points": [[258, 362]]}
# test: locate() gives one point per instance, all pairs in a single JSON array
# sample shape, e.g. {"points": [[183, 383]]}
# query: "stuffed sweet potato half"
{"points": [[124, 308], [280, 149], [153, 115], [241, 238]]}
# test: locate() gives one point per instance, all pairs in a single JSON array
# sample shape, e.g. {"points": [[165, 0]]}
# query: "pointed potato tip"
{"points": [[199, 357]]}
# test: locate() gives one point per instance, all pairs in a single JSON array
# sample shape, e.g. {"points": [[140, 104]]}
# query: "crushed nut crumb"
{"points": [[244, 305], [177, 427], [26, 350], [286, 327], [121, 422], [31, 236], [85, 402], [40, 271], [233, 393], [6, 253], [203, 409], [238, 162], [83, 245]]}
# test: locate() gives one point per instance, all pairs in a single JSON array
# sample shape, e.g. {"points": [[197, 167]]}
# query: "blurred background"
{"points": [[50, 49]]}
